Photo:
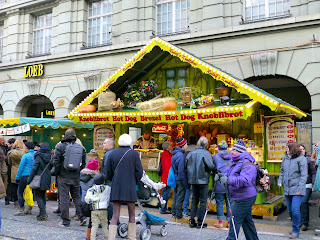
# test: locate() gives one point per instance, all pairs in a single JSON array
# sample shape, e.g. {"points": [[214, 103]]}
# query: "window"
{"points": [[1, 41], [176, 78], [172, 16], [42, 34], [264, 9], [99, 23]]}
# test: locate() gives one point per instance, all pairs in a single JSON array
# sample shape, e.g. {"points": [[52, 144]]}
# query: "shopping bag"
{"points": [[28, 196], [316, 186], [171, 179]]}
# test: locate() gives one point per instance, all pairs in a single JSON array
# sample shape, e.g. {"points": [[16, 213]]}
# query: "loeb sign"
{"points": [[33, 70], [159, 128]]}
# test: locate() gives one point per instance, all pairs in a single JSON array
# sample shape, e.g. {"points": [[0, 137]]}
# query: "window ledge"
{"points": [[37, 55], [265, 19], [95, 46], [170, 34]]}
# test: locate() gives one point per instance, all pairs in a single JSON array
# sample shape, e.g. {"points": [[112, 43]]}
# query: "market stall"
{"points": [[170, 93], [45, 130]]}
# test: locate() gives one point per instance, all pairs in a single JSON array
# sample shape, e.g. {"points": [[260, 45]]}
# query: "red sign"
{"points": [[159, 128]]}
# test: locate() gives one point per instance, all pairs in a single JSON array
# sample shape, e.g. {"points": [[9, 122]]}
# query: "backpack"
{"points": [[73, 157], [262, 180], [160, 168]]}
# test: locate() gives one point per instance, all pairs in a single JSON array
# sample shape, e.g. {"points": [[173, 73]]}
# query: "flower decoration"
{"points": [[203, 100], [117, 104], [140, 92]]}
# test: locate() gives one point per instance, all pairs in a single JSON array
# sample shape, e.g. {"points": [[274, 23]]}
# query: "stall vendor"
{"points": [[145, 142]]}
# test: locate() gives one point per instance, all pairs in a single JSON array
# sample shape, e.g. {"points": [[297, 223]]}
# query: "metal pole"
{"points": [[231, 215]]}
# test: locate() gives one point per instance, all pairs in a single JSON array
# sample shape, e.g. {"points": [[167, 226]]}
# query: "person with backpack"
{"points": [[165, 161], [199, 164], [69, 159], [42, 166], [293, 178], [240, 179], [23, 173], [222, 161]]}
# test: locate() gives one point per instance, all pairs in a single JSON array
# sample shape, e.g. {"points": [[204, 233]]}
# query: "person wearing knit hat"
{"points": [[178, 165], [239, 146], [124, 171], [240, 183], [222, 161], [23, 173], [98, 197]]}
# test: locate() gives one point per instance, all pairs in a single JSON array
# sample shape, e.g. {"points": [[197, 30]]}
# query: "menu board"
{"points": [[304, 135], [280, 131], [100, 133]]}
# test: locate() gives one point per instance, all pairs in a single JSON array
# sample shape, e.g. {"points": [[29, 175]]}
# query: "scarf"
{"points": [[235, 157]]}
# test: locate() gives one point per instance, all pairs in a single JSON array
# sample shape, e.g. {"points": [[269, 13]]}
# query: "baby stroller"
{"points": [[146, 193]]}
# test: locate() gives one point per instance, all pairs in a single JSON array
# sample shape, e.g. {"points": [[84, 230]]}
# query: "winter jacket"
{"points": [[199, 164], [312, 172], [222, 161], [14, 159], [242, 182], [26, 164], [293, 175], [104, 164], [86, 180], [41, 159], [126, 176], [99, 196], [58, 159], [178, 163], [166, 165]]}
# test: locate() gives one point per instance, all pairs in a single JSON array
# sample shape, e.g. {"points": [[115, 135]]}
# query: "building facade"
{"points": [[53, 53]]}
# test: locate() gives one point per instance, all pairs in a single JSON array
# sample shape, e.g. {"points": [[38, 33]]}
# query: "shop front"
{"points": [[169, 93]]}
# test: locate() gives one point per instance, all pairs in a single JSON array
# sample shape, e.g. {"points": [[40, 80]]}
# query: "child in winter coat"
{"points": [[99, 195]]}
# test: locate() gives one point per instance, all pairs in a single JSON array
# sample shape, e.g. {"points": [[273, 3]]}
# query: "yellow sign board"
{"points": [[33, 70]]}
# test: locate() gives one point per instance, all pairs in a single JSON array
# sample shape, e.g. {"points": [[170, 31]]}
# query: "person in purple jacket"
{"points": [[240, 179]]}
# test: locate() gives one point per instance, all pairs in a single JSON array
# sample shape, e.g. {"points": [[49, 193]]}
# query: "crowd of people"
{"points": [[98, 188]]}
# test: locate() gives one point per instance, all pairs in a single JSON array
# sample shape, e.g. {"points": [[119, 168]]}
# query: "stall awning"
{"points": [[53, 123], [156, 51], [43, 122], [9, 122]]}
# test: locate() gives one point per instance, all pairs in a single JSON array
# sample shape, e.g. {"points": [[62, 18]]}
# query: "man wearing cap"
{"points": [[240, 180], [68, 181], [178, 165], [23, 173], [222, 161], [199, 165]]}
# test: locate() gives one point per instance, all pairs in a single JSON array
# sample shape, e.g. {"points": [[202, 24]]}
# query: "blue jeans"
{"points": [[242, 212], [166, 193], [22, 186], [220, 197], [186, 202], [305, 207], [179, 193], [293, 204]]}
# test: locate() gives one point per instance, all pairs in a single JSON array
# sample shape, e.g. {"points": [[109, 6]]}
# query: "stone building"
{"points": [[74, 45]]}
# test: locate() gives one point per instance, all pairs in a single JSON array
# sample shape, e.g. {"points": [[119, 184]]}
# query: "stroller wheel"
{"points": [[145, 234], [163, 231], [123, 230]]}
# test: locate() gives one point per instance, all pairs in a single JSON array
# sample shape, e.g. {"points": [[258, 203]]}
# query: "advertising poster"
{"points": [[304, 135], [280, 131], [100, 133]]}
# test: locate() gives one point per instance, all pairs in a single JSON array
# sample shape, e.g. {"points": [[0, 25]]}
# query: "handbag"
{"points": [[28, 196], [36, 180], [171, 182]]}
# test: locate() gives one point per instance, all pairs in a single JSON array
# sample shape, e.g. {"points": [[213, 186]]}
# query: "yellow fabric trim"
{"points": [[9, 121]]}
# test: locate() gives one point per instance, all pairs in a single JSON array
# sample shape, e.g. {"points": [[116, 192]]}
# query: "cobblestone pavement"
{"points": [[26, 227]]}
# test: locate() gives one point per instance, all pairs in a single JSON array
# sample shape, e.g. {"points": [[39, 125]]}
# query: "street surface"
{"points": [[27, 227]]}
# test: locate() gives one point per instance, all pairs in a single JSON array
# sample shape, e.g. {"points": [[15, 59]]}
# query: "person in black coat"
{"points": [[124, 169], [42, 165]]}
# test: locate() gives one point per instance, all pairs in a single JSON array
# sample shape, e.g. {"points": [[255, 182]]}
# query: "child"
{"points": [[98, 195]]}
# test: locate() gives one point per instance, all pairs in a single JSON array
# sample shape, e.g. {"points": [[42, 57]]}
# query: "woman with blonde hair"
{"points": [[14, 158]]}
